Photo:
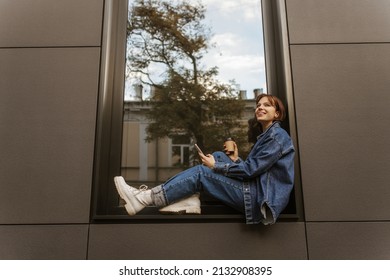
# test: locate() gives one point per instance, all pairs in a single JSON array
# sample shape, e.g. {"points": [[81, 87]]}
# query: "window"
{"points": [[180, 151], [143, 137]]}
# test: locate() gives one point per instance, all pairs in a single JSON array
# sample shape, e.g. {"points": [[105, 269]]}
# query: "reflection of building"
{"points": [[155, 161], [141, 160]]}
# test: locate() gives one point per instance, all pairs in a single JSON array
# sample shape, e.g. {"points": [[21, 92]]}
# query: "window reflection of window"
{"points": [[180, 151], [233, 43]]}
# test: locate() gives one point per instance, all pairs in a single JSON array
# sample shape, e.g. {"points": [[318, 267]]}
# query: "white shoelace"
{"points": [[143, 188], [140, 189]]}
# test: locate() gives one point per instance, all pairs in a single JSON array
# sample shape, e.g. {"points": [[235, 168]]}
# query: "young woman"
{"points": [[259, 187]]}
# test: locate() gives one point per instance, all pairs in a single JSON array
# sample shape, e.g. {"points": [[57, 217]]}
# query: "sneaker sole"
{"points": [[186, 211]]}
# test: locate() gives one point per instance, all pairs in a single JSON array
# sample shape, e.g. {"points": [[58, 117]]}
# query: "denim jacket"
{"points": [[267, 173]]}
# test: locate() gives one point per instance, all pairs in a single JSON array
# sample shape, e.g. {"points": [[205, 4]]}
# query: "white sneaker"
{"points": [[119, 180], [189, 205], [136, 199]]}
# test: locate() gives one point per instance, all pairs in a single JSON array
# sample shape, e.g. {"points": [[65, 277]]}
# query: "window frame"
{"points": [[182, 147], [108, 141]]}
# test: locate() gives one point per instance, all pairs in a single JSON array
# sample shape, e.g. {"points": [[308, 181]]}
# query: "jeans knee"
{"points": [[221, 156], [203, 168]]}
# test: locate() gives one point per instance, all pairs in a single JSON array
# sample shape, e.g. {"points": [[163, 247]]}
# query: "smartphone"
{"points": [[199, 150]]}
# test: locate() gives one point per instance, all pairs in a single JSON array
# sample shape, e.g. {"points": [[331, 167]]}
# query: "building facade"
{"points": [[334, 68]]}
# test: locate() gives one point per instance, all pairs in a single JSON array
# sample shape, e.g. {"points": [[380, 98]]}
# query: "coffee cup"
{"points": [[229, 146]]}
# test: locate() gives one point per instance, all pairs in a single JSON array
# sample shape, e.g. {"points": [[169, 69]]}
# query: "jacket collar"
{"points": [[274, 124]]}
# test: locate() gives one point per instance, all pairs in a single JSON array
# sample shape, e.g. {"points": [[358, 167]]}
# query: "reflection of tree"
{"points": [[169, 38]]}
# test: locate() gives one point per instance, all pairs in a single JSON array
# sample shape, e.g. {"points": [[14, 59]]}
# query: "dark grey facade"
{"points": [[50, 78]]}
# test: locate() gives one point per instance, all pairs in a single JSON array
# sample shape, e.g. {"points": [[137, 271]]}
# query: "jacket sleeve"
{"points": [[262, 157]]}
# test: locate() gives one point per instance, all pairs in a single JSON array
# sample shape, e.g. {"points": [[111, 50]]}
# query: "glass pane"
{"points": [[176, 156], [192, 71]]}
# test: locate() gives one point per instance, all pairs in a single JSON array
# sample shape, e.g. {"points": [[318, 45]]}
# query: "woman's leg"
{"points": [[222, 157], [187, 205], [193, 180], [201, 178]]}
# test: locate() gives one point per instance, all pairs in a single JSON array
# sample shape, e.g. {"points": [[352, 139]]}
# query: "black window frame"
{"points": [[108, 143]]}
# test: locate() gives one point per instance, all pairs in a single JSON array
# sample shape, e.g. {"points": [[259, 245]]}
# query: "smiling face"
{"points": [[266, 112]]}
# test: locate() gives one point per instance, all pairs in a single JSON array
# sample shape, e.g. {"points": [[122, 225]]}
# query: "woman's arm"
{"points": [[262, 157]]}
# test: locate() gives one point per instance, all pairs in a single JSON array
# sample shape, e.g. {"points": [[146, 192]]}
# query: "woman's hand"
{"points": [[207, 160]]}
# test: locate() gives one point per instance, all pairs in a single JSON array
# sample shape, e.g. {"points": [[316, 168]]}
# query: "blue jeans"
{"points": [[201, 178]]}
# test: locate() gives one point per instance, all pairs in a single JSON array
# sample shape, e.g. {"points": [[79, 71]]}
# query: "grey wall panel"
{"points": [[43, 242], [335, 21], [197, 241], [47, 123], [342, 104], [352, 240], [25, 23]]}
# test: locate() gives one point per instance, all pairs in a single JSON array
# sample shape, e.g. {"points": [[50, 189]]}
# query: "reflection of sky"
{"points": [[237, 34], [237, 29]]}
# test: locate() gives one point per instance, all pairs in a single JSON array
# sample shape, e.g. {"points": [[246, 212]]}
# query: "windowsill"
{"points": [[210, 214]]}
